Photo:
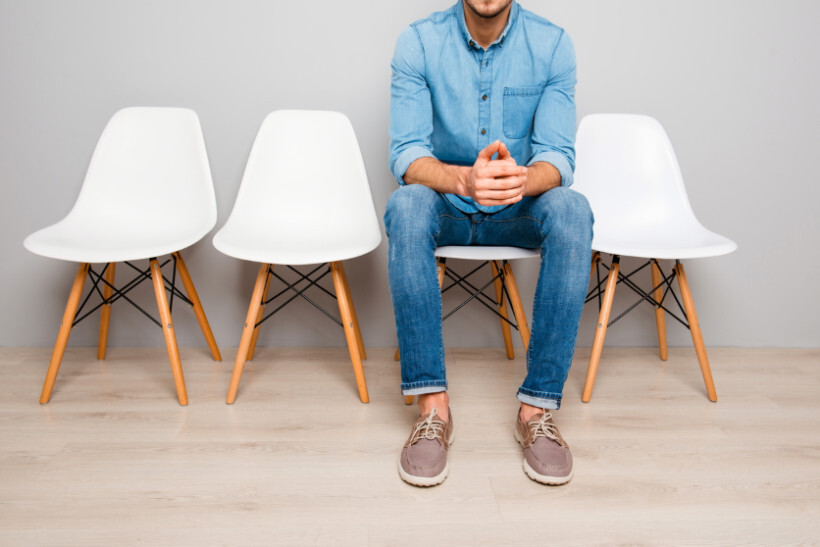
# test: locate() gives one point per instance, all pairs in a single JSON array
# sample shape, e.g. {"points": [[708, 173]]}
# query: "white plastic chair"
{"points": [[147, 193], [506, 290], [304, 199], [628, 171]]}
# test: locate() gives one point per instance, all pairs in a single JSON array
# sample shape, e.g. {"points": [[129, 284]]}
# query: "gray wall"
{"points": [[735, 83]]}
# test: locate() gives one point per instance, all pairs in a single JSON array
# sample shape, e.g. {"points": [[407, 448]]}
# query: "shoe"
{"points": [[424, 456], [547, 458]]}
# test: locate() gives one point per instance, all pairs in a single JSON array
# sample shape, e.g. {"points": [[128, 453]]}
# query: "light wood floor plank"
{"points": [[298, 460]]}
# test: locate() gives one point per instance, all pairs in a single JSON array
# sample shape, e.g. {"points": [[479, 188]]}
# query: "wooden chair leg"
{"points": [[64, 332], [596, 258], [600, 332], [697, 336], [517, 306], [343, 298], [247, 331], [441, 269], [168, 331], [198, 310], [105, 311], [255, 336], [502, 309], [356, 328], [660, 315]]}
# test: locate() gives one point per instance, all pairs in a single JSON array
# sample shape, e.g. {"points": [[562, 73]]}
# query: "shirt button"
{"points": [[472, 44], [483, 131], [483, 97]]}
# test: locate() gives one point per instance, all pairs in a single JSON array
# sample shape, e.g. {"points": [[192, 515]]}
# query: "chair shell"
{"points": [[147, 192], [486, 252], [304, 197], [628, 171]]}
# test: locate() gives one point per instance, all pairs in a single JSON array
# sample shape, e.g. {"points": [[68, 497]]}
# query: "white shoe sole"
{"points": [[423, 481], [545, 479]]}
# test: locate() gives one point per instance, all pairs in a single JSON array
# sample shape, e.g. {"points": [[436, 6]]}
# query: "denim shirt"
{"points": [[450, 98]]}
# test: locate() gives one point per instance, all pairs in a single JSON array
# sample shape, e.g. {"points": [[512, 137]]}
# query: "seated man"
{"points": [[482, 132]]}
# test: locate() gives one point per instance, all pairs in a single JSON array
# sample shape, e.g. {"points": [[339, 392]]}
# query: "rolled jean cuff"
{"points": [[421, 388], [547, 401]]}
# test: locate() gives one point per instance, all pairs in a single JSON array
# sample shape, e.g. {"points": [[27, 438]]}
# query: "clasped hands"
{"points": [[499, 181]]}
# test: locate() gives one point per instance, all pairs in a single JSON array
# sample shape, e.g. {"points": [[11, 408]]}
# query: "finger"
{"points": [[500, 188], [499, 177], [502, 168], [505, 201], [485, 155], [503, 152]]}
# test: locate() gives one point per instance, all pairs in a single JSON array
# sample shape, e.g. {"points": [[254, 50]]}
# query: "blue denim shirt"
{"points": [[450, 98]]}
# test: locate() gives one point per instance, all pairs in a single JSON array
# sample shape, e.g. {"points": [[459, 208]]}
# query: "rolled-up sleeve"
{"points": [[553, 136], [411, 109]]}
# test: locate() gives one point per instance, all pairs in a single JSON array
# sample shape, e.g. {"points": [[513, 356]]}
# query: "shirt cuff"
{"points": [[560, 162], [402, 162]]}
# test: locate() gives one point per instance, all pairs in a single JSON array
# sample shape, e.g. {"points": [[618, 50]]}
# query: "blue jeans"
{"points": [[559, 222]]}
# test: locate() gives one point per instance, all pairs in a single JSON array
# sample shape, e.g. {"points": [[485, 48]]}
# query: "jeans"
{"points": [[559, 222]]}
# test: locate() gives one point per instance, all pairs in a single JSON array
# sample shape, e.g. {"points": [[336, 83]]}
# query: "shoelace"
{"points": [[545, 428], [428, 429]]}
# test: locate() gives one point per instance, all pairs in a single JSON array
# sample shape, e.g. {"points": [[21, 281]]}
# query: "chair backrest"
{"points": [[150, 167], [305, 183], [627, 169]]}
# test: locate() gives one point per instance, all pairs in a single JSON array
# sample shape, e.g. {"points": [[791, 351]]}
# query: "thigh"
{"points": [[414, 210]]}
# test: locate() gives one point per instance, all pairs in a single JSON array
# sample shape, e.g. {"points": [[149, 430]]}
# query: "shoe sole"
{"points": [[415, 480], [423, 481], [549, 480], [545, 479]]}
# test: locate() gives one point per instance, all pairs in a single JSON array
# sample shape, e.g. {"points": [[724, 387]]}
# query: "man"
{"points": [[482, 131]]}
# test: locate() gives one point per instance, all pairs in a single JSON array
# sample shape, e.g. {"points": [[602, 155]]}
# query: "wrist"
{"points": [[541, 176], [460, 174]]}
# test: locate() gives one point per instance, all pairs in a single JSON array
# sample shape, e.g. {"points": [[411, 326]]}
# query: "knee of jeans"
{"points": [[567, 215], [409, 209]]}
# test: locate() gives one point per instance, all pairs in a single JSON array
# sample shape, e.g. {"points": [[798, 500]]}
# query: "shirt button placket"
{"points": [[484, 97]]}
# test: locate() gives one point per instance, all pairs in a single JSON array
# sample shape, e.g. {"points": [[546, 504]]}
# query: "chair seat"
{"points": [[102, 242], [485, 252], [660, 241], [300, 247]]}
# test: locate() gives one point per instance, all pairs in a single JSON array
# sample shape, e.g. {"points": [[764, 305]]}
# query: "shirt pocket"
{"points": [[519, 110]]}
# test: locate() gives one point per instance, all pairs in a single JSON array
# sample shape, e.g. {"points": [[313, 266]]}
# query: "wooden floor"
{"points": [[298, 460]]}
